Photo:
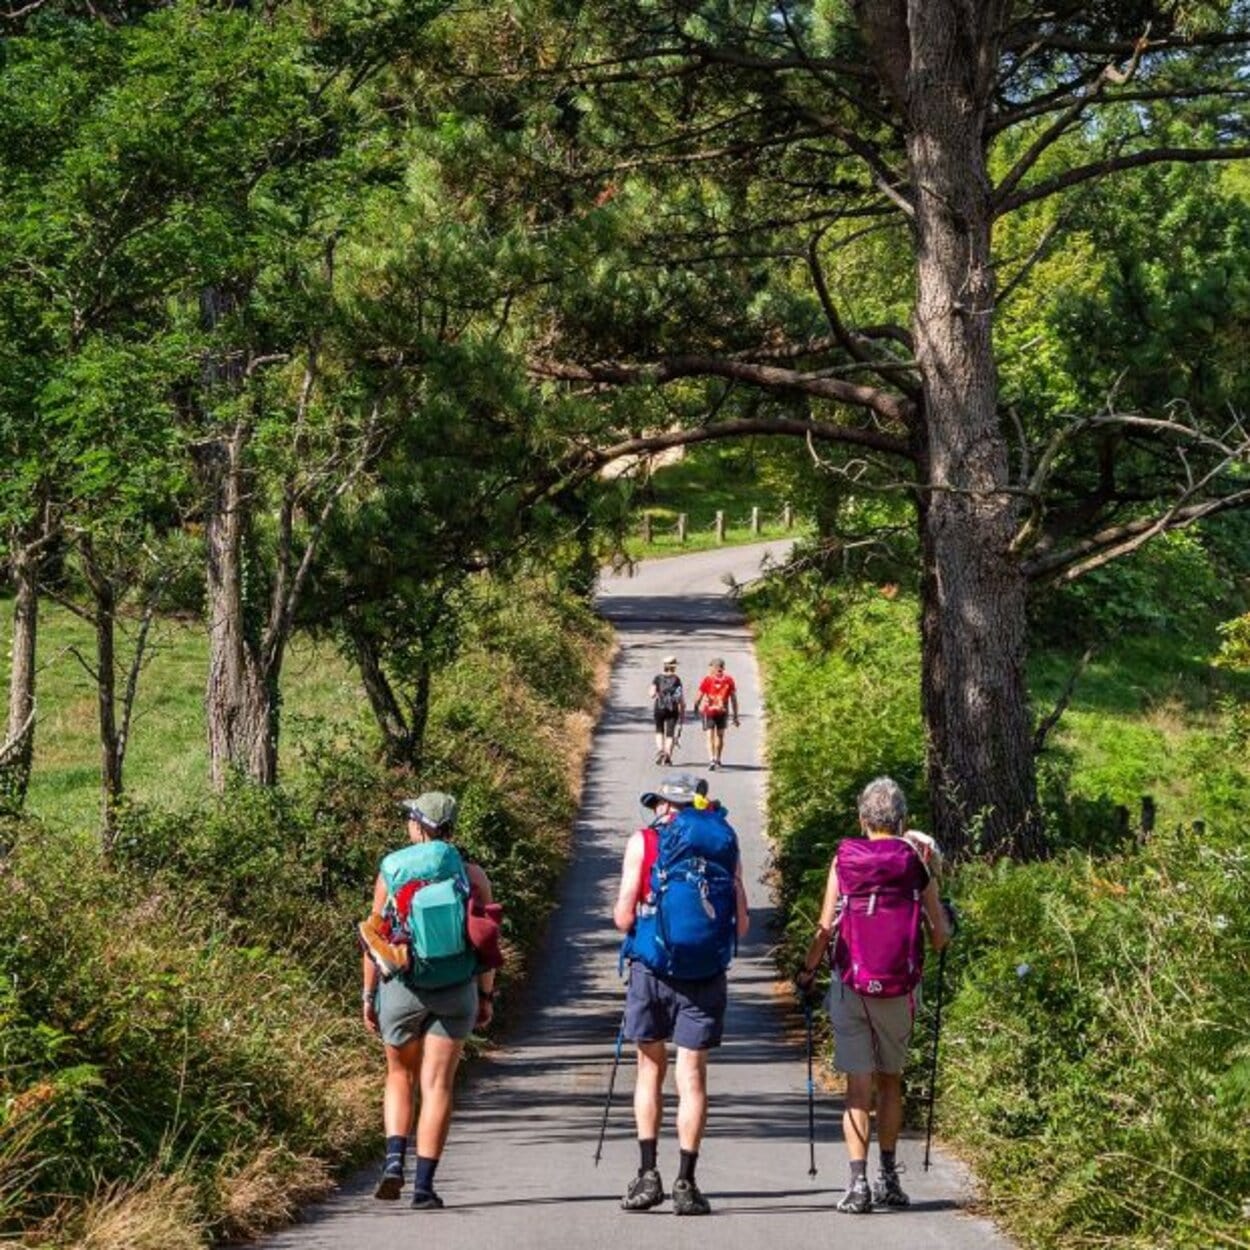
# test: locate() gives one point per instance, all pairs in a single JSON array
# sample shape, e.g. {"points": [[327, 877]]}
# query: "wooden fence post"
{"points": [[646, 528], [681, 528], [1147, 816], [720, 527], [787, 517], [755, 519]]}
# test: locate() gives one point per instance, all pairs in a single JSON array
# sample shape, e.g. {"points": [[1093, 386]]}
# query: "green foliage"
{"points": [[1094, 1050], [160, 1015], [1094, 1062]]}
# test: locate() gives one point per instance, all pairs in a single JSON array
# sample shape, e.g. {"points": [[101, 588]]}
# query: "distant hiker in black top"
{"points": [[668, 702]]}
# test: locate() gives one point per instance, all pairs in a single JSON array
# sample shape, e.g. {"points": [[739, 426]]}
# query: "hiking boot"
{"points": [[857, 1200], [688, 1200], [426, 1200], [645, 1191], [887, 1192], [391, 1182]]}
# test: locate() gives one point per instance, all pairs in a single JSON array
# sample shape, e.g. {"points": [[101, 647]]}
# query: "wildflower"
{"points": [[1023, 970]]}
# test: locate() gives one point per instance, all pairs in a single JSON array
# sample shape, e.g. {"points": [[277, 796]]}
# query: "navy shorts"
{"points": [[689, 1013]]}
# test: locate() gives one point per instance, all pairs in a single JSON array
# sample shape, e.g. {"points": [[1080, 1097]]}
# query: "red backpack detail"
{"points": [[879, 951]]}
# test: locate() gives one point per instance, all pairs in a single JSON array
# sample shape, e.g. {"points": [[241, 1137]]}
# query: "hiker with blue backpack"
{"points": [[683, 907], [880, 898], [430, 954]]}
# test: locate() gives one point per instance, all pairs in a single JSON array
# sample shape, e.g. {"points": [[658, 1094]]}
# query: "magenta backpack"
{"points": [[879, 951]]}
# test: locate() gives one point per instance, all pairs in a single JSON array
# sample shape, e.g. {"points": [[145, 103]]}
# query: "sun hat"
{"points": [[433, 809], [677, 788], [670, 661]]}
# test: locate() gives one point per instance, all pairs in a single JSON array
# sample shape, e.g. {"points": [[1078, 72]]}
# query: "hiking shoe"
{"points": [[711, 767], [688, 1200], [426, 1200], [645, 1191], [391, 1182], [390, 957], [887, 1192], [659, 757], [857, 1200]]}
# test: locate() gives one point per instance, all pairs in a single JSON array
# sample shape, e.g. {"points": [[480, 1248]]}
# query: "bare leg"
{"points": [[889, 1109], [648, 1088], [403, 1063], [438, 1074], [692, 1095], [857, 1118]]}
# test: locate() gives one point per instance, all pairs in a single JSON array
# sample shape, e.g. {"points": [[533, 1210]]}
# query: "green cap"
{"points": [[434, 809]]}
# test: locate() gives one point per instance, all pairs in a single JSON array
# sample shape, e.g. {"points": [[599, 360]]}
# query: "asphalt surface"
{"points": [[518, 1171]]}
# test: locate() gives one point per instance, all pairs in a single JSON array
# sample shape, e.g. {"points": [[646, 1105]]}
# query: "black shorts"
{"points": [[665, 722], [689, 1013], [715, 720]]}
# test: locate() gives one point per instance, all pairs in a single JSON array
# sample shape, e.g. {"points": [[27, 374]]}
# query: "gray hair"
{"points": [[882, 805]]}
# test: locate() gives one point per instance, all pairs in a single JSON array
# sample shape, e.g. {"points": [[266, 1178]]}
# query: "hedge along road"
{"points": [[518, 1171]]}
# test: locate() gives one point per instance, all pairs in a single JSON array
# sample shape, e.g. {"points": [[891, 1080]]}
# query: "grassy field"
{"points": [[167, 760], [707, 480]]}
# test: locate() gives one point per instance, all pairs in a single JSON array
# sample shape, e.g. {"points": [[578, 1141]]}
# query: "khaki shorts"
{"points": [[406, 1014], [869, 1034]]}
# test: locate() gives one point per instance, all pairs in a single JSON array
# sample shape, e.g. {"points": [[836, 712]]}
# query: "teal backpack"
{"points": [[427, 891]]}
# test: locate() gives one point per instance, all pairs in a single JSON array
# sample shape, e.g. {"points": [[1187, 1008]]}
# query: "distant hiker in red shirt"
{"points": [[717, 700], [879, 899]]}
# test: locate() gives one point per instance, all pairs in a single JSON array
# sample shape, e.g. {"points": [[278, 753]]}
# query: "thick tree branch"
{"points": [[1120, 540], [891, 407], [1114, 164]]}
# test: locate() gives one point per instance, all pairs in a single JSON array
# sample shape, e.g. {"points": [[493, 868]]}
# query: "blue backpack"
{"points": [[688, 926]]}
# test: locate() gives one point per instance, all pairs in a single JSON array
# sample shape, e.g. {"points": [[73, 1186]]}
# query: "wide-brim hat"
{"points": [[677, 788], [670, 661], [434, 809]]}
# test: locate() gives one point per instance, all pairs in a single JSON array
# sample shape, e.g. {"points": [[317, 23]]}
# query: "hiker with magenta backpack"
{"points": [[879, 899], [668, 704], [430, 954], [682, 907]]}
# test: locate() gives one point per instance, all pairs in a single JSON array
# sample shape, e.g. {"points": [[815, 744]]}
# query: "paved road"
{"points": [[518, 1171]]}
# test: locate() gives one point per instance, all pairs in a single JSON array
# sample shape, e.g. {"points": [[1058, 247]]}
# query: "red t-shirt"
{"points": [[715, 692]]}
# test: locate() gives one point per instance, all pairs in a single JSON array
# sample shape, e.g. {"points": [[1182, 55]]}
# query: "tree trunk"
{"points": [[240, 702], [974, 693], [105, 613], [402, 739], [24, 570]]}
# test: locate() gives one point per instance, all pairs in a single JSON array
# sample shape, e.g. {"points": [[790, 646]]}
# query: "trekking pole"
{"points": [[937, 1033], [607, 1106], [811, 1092]]}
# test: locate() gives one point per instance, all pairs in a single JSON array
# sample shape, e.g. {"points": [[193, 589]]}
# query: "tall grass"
{"points": [[181, 1055], [1096, 1050]]}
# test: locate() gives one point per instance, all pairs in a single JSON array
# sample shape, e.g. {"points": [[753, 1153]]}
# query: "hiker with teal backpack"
{"points": [[880, 897], [683, 907], [426, 985]]}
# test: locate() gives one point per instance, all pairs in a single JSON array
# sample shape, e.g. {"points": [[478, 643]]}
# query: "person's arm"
{"points": [[935, 914], [368, 969], [733, 699], [824, 931], [744, 912], [655, 689], [698, 699], [627, 894], [486, 976]]}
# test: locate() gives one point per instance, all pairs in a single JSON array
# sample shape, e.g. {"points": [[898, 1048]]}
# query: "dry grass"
{"points": [[151, 1213], [268, 1190]]}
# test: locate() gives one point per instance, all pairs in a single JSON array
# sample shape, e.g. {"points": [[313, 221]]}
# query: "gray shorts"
{"points": [[689, 1013], [406, 1014], [869, 1034]]}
